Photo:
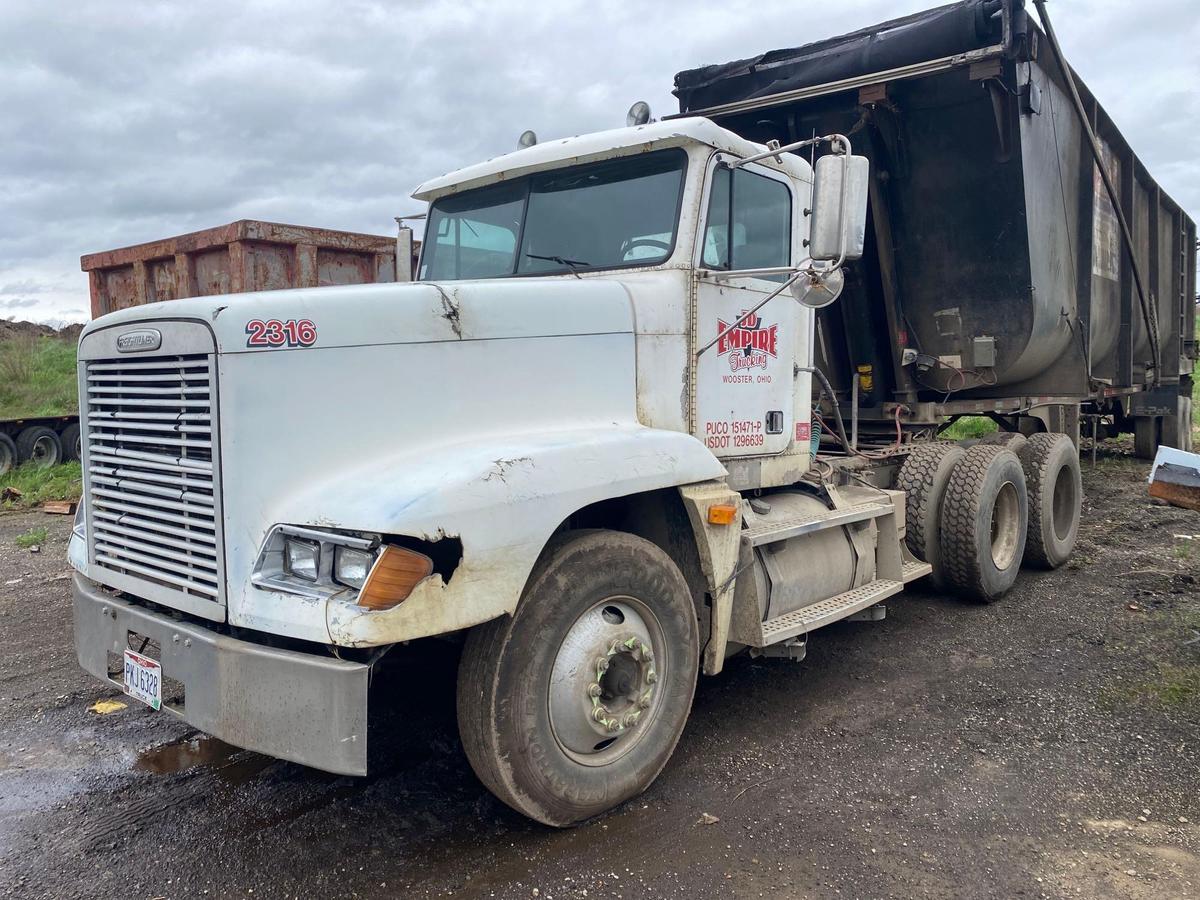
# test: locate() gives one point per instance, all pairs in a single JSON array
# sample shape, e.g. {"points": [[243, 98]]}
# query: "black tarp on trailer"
{"points": [[993, 250]]}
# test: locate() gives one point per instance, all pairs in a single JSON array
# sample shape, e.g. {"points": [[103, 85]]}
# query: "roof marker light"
{"points": [[639, 114]]}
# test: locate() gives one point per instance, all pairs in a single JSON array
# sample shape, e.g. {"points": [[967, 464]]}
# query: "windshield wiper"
{"points": [[572, 264]]}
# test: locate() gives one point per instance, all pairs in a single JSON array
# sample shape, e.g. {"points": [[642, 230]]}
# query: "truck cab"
{"points": [[657, 209]]}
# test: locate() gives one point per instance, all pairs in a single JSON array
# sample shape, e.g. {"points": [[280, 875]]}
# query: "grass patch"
{"points": [[34, 537], [1175, 686], [62, 482], [37, 377], [969, 427]]}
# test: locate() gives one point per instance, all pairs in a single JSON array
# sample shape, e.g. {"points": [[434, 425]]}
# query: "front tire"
{"points": [[574, 703]]}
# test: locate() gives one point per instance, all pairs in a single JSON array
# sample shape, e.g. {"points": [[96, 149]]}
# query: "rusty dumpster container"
{"points": [[242, 256]]}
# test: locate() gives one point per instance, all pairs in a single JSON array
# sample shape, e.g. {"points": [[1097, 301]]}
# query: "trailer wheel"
{"points": [[574, 703], [72, 447], [1052, 478], [39, 445], [8, 454], [984, 519], [1147, 434], [923, 478]]}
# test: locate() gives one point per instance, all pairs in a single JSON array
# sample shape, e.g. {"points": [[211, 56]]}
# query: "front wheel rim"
{"points": [[606, 682]]}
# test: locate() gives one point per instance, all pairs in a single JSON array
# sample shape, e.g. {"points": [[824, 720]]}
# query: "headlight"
{"points": [[313, 562], [303, 558], [351, 567]]}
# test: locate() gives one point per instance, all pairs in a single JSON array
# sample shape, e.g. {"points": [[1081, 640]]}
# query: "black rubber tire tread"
{"points": [[69, 438], [8, 454], [1147, 432], [1045, 459], [966, 523], [1013, 440], [30, 436], [501, 707], [923, 478]]}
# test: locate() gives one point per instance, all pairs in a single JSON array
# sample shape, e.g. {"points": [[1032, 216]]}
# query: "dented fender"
{"points": [[502, 499]]}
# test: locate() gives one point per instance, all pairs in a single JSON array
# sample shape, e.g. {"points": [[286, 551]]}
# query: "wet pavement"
{"points": [[1045, 746]]}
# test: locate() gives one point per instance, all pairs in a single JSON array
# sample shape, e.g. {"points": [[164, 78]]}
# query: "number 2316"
{"points": [[274, 333]]}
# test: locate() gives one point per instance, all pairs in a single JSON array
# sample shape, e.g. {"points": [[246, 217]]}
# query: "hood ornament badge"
{"points": [[139, 341]]}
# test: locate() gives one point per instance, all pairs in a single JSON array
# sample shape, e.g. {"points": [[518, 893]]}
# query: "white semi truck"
{"points": [[584, 442]]}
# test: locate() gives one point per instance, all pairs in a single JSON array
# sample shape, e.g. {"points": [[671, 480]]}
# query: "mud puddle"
{"points": [[232, 765]]}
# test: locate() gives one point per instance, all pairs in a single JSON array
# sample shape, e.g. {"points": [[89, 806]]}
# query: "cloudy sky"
{"points": [[128, 121]]}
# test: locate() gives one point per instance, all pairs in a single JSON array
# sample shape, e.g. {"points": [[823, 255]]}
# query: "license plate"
{"points": [[143, 679]]}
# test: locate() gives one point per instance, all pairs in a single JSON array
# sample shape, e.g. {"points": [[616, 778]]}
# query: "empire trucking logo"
{"points": [[749, 345]]}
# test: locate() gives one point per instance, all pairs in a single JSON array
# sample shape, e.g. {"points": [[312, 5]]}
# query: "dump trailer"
{"points": [[587, 446], [997, 279]]}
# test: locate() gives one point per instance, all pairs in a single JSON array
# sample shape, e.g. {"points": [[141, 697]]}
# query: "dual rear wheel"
{"points": [[977, 513]]}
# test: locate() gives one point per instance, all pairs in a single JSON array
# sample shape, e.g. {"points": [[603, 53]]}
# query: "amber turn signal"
{"points": [[722, 514], [393, 577]]}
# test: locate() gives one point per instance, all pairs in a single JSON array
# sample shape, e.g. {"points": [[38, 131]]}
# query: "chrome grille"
{"points": [[153, 504]]}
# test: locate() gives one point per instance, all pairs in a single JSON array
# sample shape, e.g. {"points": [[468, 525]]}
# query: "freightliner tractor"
{"points": [[657, 396]]}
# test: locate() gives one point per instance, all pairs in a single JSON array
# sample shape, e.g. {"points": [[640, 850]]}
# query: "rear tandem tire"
{"points": [[984, 520], [1055, 489], [39, 445], [923, 478], [562, 712]]}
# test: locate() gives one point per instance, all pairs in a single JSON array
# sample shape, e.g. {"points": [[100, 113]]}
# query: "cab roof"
{"points": [[601, 145]]}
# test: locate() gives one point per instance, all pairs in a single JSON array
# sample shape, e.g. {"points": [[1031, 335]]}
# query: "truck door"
{"points": [[744, 382]]}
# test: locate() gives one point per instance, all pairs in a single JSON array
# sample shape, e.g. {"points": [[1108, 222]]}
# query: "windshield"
{"points": [[614, 214]]}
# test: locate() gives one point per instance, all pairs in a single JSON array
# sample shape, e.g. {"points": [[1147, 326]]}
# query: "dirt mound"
{"points": [[11, 329]]}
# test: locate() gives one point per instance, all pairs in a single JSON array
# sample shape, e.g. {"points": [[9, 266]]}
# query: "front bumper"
{"points": [[296, 706]]}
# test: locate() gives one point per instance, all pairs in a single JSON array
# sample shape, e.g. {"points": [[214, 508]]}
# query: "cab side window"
{"points": [[749, 222]]}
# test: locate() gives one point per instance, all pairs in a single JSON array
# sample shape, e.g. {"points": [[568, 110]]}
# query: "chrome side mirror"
{"points": [[839, 208]]}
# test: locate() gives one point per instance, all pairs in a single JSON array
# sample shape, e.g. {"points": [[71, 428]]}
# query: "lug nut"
{"points": [[630, 719], [593, 690], [602, 664], [651, 677], [613, 725], [600, 714], [644, 701]]}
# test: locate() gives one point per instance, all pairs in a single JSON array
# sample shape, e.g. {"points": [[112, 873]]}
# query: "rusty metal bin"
{"points": [[242, 256]]}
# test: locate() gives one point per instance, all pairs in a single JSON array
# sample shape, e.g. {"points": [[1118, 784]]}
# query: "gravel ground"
{"points": [[1043, 746]]}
